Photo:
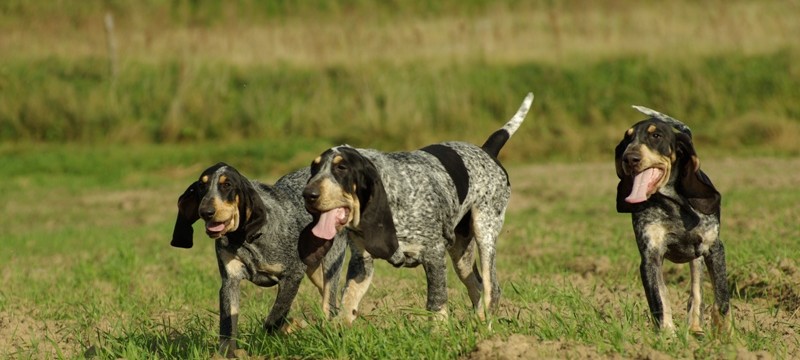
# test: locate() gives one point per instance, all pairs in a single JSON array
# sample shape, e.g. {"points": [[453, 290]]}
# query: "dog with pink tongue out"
{"points": [[414, 208], [676, 216]]}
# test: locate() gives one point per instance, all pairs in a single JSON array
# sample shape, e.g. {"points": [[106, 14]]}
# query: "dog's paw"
{"points": [[723, 326], [293, 325]]}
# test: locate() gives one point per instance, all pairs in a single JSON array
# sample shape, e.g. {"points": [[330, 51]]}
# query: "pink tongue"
{"points": [[326, 226], [641, 184], [216, 228]]}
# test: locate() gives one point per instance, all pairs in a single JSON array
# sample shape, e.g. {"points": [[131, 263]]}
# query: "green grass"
{"points": [[88, 270], [95, 164], [735, 103]]}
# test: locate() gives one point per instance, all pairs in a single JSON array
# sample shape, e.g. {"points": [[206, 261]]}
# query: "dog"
{"points": [[410, 208], [256, 228], [676, 215]]}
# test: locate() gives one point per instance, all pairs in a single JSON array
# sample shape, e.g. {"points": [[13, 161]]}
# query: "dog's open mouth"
{"points": [[214, 229], [644, 185], [330, 222]]}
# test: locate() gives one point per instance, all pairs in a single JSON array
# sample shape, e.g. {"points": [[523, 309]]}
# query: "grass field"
{"points": [[88, 271], [95, 161]]}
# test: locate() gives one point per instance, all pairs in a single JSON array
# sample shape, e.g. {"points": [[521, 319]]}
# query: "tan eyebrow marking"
{"points": [[222, 179], [317, 160], [337, 159], [629, 132], [651, 128], [204, 179]]}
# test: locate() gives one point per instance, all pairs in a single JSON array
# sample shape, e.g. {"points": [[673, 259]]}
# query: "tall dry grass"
{"points": [[353, 34], [398, 76]]}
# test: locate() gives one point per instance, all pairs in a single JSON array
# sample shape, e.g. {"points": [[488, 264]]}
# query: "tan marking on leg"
{"points": [[485, 304], [695, 316], [441, 314], [464, 267], [272, 269], [656, 233], [723, 325], [233, 265], [354, 291], [317, 277], [667, 324]]}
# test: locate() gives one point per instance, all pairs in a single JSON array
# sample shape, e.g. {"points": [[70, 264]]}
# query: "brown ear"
{"points": [[695, 184], [625, 185], [311, 248], [188, 203]]}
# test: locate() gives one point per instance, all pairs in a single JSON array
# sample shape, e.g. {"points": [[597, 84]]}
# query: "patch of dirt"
{"points": [[21, 334], [519, 346]]}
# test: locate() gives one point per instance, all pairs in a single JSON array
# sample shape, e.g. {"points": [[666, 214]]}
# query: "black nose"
{"points": [[632, 159], [207, 212], [311, 194]]}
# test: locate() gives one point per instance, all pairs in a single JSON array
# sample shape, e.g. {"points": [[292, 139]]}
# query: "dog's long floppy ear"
{"points": [[376, 222], [188, 205], [693, 183], [311, 248], [252, 210], [625, 185]]}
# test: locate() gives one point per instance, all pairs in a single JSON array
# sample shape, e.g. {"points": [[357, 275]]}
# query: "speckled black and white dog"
{"points": [[411, 208], [256, 228], [676, 215]]}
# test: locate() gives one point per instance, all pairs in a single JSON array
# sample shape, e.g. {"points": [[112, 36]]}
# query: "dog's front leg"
{"points": [[695, 308], [228, 316], [359, 278], [287, 291], [715, 262], [435, 265], [656, 290]]}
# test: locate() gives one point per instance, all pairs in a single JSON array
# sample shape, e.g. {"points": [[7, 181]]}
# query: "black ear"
{"points": [[376, 223], [188, 203], [625, 185], [311, 248], [255, 212], [252, 209], [693, 183]]}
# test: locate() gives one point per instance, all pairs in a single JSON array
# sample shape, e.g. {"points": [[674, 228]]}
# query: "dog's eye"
{"points": [[225, 186], [341, 167], [656, 135]]}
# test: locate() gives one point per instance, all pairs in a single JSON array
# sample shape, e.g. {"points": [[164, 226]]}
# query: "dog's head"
{"points": [[345, 190], [658, 153], [225, 200]]}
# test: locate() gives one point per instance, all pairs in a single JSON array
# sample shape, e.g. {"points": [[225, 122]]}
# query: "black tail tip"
{"points": [[495, 142]]}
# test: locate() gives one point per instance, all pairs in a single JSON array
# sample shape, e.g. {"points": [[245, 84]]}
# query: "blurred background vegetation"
{"points": [[397, 74]]}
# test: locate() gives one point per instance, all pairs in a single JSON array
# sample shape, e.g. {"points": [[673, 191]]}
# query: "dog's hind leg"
{"points": [[463, 255], [695, 305], [487, 224]]}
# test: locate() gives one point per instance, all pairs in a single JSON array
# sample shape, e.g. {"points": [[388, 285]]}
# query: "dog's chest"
{"points": [[677, 241], [242, 265]]}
